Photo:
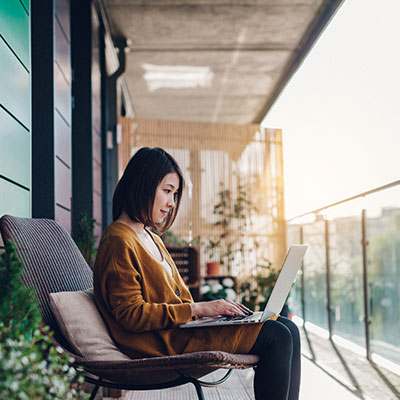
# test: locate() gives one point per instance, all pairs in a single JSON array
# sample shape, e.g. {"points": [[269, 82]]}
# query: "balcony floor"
{"points": [[329, 371], [351, 371]]}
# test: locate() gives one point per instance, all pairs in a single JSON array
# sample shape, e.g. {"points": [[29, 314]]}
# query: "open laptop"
{"points": [[275, 302]]}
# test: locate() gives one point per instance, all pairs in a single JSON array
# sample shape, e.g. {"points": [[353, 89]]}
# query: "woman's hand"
{"points": [[218, 307]]}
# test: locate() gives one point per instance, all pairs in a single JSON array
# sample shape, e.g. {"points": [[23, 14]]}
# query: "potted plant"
{"points": [[233, 212], [223, 287], [255, 290], [213, 268]]}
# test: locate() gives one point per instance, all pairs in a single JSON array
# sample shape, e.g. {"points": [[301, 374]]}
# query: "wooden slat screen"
{"points": [[215, 157]]}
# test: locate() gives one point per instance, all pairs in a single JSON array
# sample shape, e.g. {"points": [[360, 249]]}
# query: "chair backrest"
{"points": [[52, 261]]}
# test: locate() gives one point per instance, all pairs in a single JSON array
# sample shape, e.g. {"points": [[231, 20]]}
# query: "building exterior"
{"points": [[60, 98], [62, 93]]}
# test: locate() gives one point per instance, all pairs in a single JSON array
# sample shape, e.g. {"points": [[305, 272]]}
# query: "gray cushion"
{"points": [[83, 326]]}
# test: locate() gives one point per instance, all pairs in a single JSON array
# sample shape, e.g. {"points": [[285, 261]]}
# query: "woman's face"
{"points": [[164, 199]]}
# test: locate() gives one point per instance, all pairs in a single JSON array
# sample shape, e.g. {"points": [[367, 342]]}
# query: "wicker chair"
{"points": [[53, 263]]}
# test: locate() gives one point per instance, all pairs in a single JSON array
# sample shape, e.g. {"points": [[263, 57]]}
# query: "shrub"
{"points": [[31, 367], [85, 238]]}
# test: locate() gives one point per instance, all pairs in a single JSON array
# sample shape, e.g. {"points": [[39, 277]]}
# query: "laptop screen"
{"points": [[285, 280]]}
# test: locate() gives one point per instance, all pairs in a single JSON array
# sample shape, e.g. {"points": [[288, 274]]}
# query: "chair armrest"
{"points": [[201, 359]]}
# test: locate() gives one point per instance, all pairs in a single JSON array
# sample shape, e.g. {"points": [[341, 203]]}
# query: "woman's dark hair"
{"points": [[135, 191]]}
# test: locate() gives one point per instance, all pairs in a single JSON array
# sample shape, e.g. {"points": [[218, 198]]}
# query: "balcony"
{"points": [[328, 369], [221, 73], [345, 301]]}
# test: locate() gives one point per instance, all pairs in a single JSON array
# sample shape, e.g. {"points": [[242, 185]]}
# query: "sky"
{"points": [[340, 113]]}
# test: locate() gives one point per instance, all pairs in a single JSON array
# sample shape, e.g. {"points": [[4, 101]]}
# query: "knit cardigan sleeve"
{"points": [[130, 292]]}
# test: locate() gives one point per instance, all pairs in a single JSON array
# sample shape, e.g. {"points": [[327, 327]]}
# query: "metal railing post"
{"points": [[328, 279], [367, 314], [364, 244]]}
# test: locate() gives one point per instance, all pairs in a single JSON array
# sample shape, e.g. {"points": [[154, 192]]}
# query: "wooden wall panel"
{"points": [[97, 200], [14, 150], [15, 124], [61, 54], [96, 126], [97, 211], [62, 94], [61, 8], [96, 143], [14, 27], [63, 190], [96, 108], [96, 176], [62, 139], [26, 4], [14, 85], [62, 114], [14, 200], [63, 217]]}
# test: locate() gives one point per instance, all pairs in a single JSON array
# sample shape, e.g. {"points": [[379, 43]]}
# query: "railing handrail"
{"points": [[363, 194]]}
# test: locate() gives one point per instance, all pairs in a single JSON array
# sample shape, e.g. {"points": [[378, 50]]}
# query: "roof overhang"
{"points": [[214, 61]]}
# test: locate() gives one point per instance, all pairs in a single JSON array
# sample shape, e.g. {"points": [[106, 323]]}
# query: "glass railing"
{"points": [[350, 278]]}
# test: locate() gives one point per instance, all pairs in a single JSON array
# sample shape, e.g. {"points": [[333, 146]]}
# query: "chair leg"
{"points": [[94, 392], [199, 390]]}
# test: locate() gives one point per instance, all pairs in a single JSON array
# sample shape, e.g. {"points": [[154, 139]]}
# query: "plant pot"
{"points": [[213, 268]]}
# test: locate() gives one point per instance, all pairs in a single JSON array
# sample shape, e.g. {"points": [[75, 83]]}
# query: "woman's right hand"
{"points": [[218, 307]]}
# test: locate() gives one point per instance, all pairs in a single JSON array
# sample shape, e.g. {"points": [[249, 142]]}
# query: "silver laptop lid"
{"points": [[285, 280]]}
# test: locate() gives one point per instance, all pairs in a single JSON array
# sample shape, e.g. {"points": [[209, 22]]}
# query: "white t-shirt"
{"points": [[165, 264]]}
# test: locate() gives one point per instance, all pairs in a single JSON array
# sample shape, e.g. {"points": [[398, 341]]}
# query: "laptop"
{"points": [[276, 301]]}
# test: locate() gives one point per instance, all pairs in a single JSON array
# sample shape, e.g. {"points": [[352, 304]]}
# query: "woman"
{"points": [[143, 299]]}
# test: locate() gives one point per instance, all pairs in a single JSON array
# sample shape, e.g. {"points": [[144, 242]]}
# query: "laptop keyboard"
{"points": [[236, 318]]}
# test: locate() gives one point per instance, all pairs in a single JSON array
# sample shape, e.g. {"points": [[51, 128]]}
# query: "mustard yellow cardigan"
{"points": [[143, 305]]}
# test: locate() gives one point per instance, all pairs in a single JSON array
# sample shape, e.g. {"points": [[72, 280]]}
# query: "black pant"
{"points": [[277, 374]]}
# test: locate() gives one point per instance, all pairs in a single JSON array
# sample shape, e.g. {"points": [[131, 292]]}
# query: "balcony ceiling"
{"points": [[213, 60]]}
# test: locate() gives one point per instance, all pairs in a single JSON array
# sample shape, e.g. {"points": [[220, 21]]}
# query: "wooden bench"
{"points": [[53, 264]]}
